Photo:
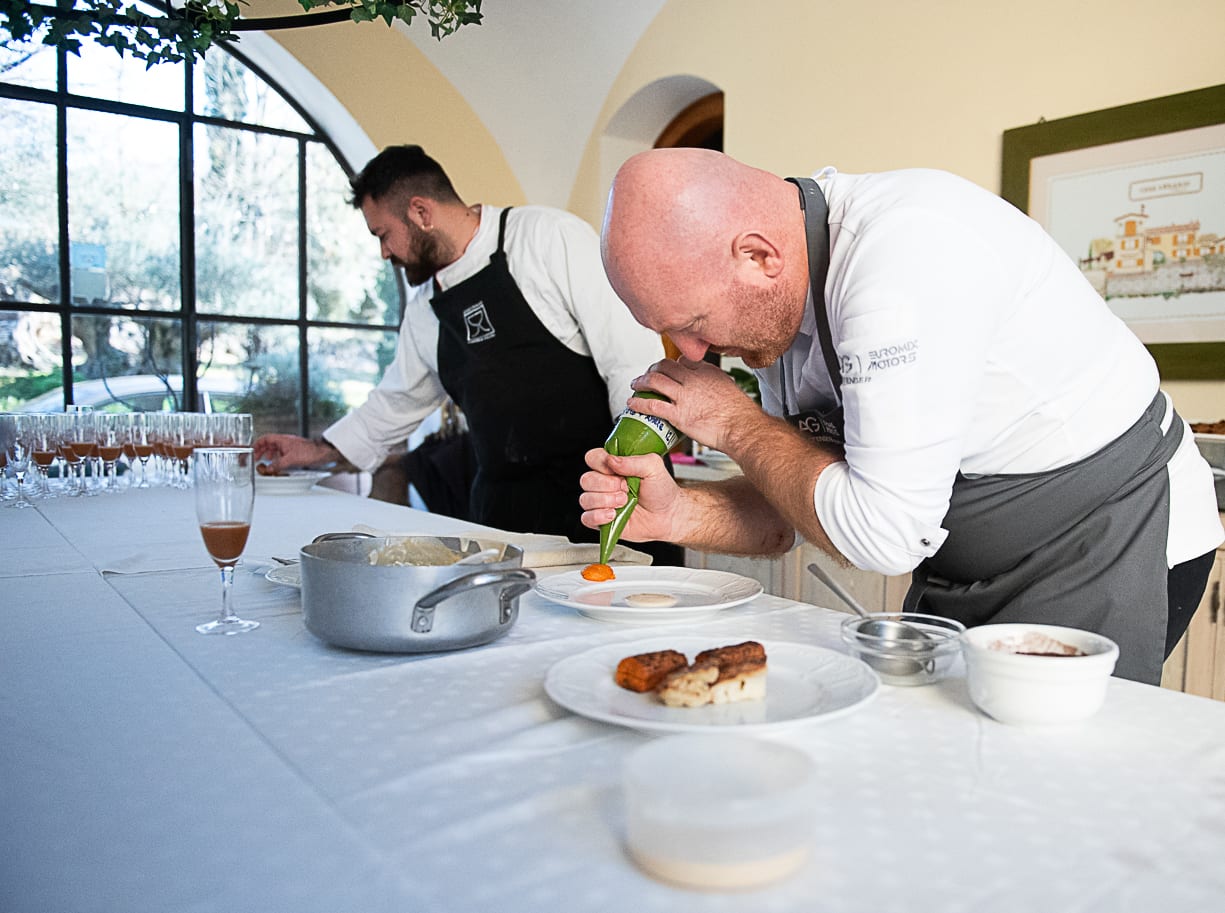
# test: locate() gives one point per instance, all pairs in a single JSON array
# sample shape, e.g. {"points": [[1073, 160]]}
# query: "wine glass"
{"points": [[83, 444], [109, 428], [140, 441], [45, 442], [225, 494], [16, 435]]}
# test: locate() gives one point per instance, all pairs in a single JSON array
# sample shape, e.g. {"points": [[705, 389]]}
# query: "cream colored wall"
{"points": [[874, 86], [398, 96]]}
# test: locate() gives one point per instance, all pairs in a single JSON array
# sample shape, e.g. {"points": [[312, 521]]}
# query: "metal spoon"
{"points": [[480, 557], [888, 630]]}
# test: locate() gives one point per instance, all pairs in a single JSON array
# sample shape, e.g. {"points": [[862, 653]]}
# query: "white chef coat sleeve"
{"points": [[408, 392], [620, 346], [914, 332]]}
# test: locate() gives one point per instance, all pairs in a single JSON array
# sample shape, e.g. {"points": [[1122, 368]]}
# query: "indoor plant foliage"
{"points": [[166, 31]]}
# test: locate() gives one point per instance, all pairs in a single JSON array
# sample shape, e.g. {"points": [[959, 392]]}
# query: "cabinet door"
{"points": [[1197, 665], [769, 572]]}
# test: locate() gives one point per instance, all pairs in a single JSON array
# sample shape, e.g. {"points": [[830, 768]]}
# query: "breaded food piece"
{"points": [[748, 652], [725, 675], [744, 682], [645, 671], [689, 687]]}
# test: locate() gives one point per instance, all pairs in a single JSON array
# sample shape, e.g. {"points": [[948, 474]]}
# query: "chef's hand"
{"points": [[604, 490], [288, 451], [705, 402]]}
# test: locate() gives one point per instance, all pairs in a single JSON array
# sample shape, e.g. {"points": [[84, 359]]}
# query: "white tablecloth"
{"points": [[144, 767]]}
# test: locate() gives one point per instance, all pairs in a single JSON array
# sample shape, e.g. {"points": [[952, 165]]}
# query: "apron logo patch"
{"points": [[478, 324]]}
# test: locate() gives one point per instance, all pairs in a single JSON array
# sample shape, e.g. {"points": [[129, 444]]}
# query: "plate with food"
{"points": [[291, 482], [649, 594], [696, 684]]}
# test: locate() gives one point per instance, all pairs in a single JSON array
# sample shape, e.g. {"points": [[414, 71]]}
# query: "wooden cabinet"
{"points": [[788, 576], [1197, 665]]}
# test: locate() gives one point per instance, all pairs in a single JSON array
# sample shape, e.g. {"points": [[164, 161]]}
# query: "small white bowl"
{"points": [[1027, 689], [719, 812]]}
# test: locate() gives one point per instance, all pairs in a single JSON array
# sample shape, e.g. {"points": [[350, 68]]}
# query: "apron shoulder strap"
{"points": [[502, 227], [816, 228]]}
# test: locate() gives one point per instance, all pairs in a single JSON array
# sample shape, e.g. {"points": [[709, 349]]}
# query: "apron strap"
{"points": [[816, 229], [502, 227]]}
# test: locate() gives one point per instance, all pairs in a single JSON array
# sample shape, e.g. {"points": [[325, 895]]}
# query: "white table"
{"points": [[144, 767]]}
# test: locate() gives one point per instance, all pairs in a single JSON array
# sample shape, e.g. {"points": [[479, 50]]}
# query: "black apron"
{"points": [[496, 360], [1082, 545]]}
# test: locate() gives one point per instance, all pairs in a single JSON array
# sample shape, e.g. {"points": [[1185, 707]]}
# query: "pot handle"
{"points": [[513, 580]]}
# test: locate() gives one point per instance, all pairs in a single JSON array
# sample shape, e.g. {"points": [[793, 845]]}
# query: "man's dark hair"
{"points": [[402, 171]]}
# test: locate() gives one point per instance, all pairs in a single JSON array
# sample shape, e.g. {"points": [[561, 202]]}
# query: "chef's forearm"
{"points": [[731, 517], [783, 465]]}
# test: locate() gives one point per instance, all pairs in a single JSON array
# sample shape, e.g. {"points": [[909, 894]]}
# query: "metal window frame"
{"points": [[187, 316]]}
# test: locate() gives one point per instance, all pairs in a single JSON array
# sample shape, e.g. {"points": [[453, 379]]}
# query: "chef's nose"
{"points": [[691, 347]]}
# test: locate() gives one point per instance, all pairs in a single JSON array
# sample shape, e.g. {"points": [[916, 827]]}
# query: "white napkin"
{"points": [[538, 550]]}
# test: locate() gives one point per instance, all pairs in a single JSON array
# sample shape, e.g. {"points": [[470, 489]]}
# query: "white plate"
{"points": [[299, 481], [697, 592], [803, 683], [285, 575]]}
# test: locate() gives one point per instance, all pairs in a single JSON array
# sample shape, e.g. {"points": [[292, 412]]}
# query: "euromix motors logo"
{"points": [[860, 368]]}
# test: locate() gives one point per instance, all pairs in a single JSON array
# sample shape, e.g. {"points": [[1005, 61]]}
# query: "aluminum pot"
{"points": [[351, 603]]}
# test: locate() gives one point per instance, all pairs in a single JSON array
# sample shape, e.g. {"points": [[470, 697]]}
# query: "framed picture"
{"points": [[1136, 195]]}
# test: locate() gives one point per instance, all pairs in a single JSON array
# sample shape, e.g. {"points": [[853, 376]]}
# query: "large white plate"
{"points": [[297, 482], [697, 592], [804, 683]]}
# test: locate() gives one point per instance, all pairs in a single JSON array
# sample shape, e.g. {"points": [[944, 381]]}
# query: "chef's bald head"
{"points": [[691, 234]]}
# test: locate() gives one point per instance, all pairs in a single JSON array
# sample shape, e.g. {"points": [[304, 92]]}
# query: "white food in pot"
{"points": [[397, 553]]}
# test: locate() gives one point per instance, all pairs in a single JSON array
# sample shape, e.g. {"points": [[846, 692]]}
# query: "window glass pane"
{"points": [[246, 368], [343, 366], [27, 63], [347, 280], [29, 218], [123, 211], [246, 223], [31, 365], [124, 363], [101, 72], [226, 87]]}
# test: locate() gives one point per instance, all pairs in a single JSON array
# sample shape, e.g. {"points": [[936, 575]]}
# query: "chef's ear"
{"points": [[753, 250], [421, 212]]}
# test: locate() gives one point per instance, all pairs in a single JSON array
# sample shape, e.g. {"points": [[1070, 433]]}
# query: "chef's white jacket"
{"points": [[554, 258], [968, 342]]}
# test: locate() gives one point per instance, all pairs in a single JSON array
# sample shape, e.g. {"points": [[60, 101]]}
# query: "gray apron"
{"points": [[1083, 545]]}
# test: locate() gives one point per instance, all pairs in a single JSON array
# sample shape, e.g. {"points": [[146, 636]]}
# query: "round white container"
{"points": [[719, 812], [1024, 689]]}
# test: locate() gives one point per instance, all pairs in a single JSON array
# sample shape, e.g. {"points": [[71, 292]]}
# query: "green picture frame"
{"points": [[1171, 113]]}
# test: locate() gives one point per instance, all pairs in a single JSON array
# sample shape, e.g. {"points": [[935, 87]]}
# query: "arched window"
{"points": [[180, 237]]}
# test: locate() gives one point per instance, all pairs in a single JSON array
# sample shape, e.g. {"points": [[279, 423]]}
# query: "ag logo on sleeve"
{"points": [[478, 324]]}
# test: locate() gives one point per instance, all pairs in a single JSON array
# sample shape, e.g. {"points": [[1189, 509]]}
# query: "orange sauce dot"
{"points": [[597, 573]]}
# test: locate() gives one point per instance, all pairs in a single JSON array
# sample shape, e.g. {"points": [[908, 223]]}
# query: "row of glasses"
{"points": [[89, 448]]}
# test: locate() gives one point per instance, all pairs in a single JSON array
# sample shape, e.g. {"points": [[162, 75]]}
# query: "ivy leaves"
{"points": [[186, 33]]}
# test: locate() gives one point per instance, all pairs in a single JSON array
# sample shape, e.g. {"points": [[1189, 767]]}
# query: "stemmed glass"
{"points": [[109, 429], [139, 444], [45, 446], [83, 444], [16, 436], [225, 495]]}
